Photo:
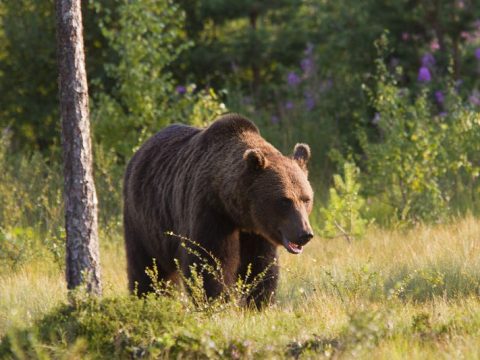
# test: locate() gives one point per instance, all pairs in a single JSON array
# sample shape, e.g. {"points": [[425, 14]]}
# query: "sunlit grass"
{"points": [[392, 294]]}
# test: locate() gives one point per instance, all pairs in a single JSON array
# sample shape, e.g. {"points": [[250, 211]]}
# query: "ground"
{"points": [[394, 294]]}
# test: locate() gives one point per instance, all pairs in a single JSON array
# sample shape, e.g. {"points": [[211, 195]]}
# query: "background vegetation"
{"points": [[386, 92]]}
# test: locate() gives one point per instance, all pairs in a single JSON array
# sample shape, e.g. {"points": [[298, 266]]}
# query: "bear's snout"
{"points": [[304, 238]]}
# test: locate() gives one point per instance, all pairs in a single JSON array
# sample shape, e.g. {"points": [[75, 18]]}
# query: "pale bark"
{"points": [[82, 255]]}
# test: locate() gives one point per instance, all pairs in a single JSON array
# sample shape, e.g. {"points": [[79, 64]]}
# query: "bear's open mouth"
{"points": [[291, 247], [294, 248]]}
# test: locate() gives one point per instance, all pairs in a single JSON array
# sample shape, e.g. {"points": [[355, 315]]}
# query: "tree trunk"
{"points": [[82, 255]]}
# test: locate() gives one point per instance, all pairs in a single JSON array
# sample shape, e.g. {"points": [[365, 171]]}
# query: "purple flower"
{"points": [[424, 75], [477, 53], [467, 36], [439, 97], [443, 114], [289, 105], [180, 89], [405, 36], [293, 79], [274, 119], [428, 60], [309, 49], [309, 101], [307, 65], [475, 98], [376, 118]]}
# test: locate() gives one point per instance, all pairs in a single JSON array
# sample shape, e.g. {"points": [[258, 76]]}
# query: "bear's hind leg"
{"points": [[139, 260]]}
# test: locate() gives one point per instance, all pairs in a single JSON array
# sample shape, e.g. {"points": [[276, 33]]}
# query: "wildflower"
{"points": [[434, 45], [474, 98], [307, 65], [376, 119], [293, 79], [466, 36], [274, 119], [424, 75], [309, 101], [439, 97], [477, 53], [405, 36], [428, 60], [180, 89], [289, 105]]}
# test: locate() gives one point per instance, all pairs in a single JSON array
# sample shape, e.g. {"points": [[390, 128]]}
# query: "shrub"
{"points": [[423, 160], [342, 216], [126, 327]]}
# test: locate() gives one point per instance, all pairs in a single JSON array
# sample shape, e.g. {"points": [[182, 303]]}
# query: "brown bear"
{"points": [[223, 187]]}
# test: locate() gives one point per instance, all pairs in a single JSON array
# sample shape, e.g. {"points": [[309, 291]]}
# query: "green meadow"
{"points": [[392, 294]]}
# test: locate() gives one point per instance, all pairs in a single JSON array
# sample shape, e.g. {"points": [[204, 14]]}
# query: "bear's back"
{"points": [[153, 157], [228, 126]]}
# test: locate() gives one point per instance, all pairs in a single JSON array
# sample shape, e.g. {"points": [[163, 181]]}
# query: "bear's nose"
{"points": [[305, 238]]}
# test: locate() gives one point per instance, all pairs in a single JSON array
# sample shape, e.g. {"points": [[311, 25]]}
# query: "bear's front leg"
{"points": [[215, 251], [258, 268]]}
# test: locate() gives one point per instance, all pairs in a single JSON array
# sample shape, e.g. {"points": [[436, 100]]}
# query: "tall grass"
{"points": [[391, 294]]}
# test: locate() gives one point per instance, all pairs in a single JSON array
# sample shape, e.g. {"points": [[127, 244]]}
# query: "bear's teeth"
{"points": [[296, 248]]}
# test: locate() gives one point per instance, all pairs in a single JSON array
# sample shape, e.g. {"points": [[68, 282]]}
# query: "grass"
{"points": [[392, 294]]}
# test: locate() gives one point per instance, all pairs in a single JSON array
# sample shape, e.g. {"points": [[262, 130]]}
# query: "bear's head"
{"points": [[280, 197]]}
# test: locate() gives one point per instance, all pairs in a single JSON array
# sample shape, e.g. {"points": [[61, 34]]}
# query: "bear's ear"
{"points": [[255, 159], [301, 154]]}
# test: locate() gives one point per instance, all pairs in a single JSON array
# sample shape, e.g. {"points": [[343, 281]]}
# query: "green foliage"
{"points": [[28, 70], [364, 330], [31, 203], [342, 216], [207, 108], [31, 210], [355, 284], [146, 38], [122, 327], [242, 42], [422, 160], [28, 102]]}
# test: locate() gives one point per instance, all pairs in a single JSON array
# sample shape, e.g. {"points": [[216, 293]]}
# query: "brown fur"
{"points": [[223, 187]]}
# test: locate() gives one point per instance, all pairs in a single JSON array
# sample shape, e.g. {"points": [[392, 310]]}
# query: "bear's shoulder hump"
{"points": [[231, 124]]}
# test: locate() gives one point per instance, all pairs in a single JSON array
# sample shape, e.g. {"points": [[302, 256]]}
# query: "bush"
{"points": [[342, 216], [423, 160], [146, 39], [126, 327]]}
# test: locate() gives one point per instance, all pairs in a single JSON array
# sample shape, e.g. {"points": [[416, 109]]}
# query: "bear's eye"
{"points": [[305, 200], [285, 201]]}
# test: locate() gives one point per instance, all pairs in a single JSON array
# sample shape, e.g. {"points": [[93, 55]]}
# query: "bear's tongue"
{"points": [[294, 248]]}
